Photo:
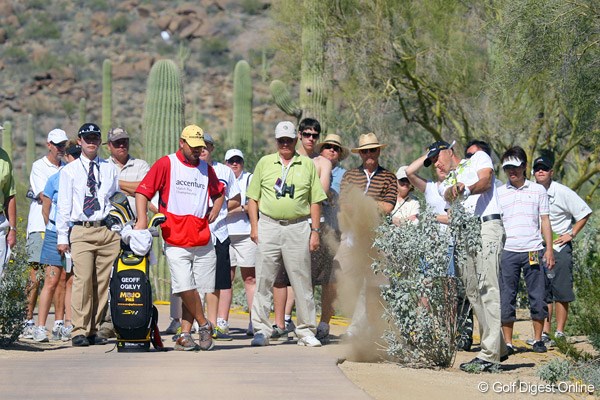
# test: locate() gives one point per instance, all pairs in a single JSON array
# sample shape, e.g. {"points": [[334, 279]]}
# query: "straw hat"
{"points": [[332, 138], [368, 141]]}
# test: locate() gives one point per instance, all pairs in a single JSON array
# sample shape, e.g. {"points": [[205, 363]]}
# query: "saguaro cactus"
{"points": [[162, 124], [163, 110], [30, 146], [242, 106], [314, 89], [7, 138], [106, 95], [82, 111]]}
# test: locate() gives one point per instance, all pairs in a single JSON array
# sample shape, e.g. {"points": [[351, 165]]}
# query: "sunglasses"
{"points": [[367, 151], [59, 145], [333, 147], [91, 138], [120, 142], [469, 155], [285, 140], [307, 135], [235, 160], [541, 168]]}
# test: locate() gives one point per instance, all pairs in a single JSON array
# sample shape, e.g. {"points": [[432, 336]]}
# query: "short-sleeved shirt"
{"points": [[482, 204], [51, 192], [521, 211], [381, 186], [134, 170], [187, 226], [301, 173], [41, 170], [434, 199], [331, 207], [7, 181], [238, 223], [227, 178], [565, 205]]}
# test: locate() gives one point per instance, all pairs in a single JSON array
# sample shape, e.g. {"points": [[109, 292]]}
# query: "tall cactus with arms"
{"points": [[162, 124], [242, 106]]}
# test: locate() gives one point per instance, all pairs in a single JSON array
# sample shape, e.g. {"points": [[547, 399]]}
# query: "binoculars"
{"points": [[286, 190]]}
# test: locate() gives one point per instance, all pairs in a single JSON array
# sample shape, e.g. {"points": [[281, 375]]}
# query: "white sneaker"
{"points": [[309, 341], [57, 331], [28, 331], [65, 333], [40, 335], [290, 327], [322, 331]]}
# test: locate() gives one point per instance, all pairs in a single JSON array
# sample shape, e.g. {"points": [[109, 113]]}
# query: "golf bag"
{"points": [[133, 315]]}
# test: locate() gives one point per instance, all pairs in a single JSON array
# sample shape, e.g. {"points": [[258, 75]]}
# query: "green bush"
{"points": [[252, 7], [421, 299], [15, 54], [119, 24], [41, 28], [13, 300], [214, 52]]}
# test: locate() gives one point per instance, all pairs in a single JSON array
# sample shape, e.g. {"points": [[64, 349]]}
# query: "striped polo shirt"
{"points": [[381, 186], [521, 210]]}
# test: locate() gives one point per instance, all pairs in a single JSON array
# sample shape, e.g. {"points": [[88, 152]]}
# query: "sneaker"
{"points": [[39, 334], [65, 334], [559, 335], [539, 347], [309, 341], [476, 365], [174, 327], [28, 331], [80, 341], [206, 341], [57, 331], [464, 343], [322, 331], [250, 330], [185, 342], [545, 338], [259, 340], [278, 333], [195, 327], [510, 349], [221, 334], [289, 326]]}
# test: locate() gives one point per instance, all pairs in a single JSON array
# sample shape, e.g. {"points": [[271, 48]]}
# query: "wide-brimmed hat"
{"points": [[332, 138], [368, 141]]}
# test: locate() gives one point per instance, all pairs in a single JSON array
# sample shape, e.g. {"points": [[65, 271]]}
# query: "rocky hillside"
{"points": [[51, 55]]}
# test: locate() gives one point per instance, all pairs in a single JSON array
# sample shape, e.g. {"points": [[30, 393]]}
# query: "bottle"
{"points": [[67, 262]]}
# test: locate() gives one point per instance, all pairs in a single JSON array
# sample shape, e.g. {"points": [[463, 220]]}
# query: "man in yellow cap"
{"points": [[185, 184]]}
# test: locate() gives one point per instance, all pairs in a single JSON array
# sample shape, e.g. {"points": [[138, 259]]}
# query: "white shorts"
{"points": [[192, 268], [242, 251]]}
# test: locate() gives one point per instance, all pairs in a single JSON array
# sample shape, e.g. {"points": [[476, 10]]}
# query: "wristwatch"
{"points": [[243, 209], [12, 228], [318, 230]]}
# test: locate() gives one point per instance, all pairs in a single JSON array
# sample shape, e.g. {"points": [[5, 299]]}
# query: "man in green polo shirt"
{"points": [[8, 209], [285, 190]]}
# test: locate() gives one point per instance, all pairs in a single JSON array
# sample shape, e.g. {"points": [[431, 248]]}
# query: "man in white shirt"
{"points": [[219, 301], [472, 181], [85, 188], [524, 206], [565, 206], [41, 170]]}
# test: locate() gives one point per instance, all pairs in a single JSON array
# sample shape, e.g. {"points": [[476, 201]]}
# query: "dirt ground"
{"points": [[517, 379]]}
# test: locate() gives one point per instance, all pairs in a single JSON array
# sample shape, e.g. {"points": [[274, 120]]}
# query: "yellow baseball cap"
{"points": [[193, 135]]}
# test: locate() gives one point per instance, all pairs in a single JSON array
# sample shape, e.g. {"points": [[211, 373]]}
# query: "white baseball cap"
{"points": [[401, 173], [232, 153], [57, 136], [285, 129], [512, 161]]}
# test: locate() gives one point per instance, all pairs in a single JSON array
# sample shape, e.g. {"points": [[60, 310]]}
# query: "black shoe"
{"points": [[94, 340], [464, 343], [476, 365], [510, 350], [80, 341], [539, 347]]}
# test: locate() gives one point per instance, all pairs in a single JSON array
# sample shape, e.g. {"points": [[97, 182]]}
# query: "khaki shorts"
{"points": [[35, 242], [192, 268], [242, 251]]}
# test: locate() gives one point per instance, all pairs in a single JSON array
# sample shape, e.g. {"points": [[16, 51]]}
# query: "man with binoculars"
{"points": [[285, 190]]}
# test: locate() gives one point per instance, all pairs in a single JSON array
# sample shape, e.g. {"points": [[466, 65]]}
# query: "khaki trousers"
{"points": [[480, 278], [94, 251], [288, 247]]}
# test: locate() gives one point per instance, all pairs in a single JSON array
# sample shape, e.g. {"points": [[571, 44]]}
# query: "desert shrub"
{"points": [[41, 28], [119, 24], [252, 7], [556, 370], [13, 300], [214, 52], [420, 299], [15, 54], [584, 317]]}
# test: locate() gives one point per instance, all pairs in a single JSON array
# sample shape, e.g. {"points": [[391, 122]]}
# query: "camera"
{"points": [[286, 189]]}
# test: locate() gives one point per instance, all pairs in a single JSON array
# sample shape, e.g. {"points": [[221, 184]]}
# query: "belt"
{"points": [[90, 224], [284, 222], [490, 217]]}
